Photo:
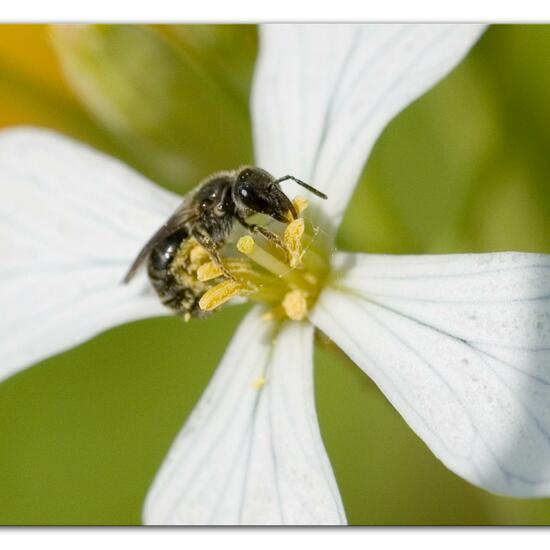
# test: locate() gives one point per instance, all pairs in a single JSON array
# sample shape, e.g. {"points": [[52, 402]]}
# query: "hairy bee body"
{"points": [[171, 272], [205, 220]]}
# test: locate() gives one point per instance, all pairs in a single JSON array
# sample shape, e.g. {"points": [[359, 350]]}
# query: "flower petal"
{"points": [[252, 454], [460, 345], [71, 222], [323, 93]]}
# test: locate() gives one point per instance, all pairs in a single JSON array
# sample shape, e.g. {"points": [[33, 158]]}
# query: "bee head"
{"points": [[257, 190]]}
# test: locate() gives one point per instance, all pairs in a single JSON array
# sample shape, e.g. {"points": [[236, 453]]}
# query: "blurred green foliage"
{"points": [[463, 169], [176, 100]]}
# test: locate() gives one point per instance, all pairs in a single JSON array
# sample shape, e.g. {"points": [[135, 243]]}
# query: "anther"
{"points": [[198, 255], [300, 204], [246, 245], [223, 292], [209, 271], [295, 304], [293, 242]]}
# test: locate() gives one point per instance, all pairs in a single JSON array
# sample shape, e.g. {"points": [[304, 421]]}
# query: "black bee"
{"points": [[207, 216]]}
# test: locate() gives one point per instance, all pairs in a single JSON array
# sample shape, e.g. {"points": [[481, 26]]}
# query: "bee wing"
{"points": [[184, 214]]}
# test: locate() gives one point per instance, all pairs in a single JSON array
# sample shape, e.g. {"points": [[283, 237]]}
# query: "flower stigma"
{"points": [[284, 273]]}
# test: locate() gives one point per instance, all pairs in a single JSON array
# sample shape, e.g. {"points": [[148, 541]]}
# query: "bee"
{"points": [[207, 217]]}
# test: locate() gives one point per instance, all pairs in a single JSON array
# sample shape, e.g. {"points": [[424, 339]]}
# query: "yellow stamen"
{"points": [[286, 277], [300, 204], [222, 292], [292, 240], [248, 246], [242, 270], [295, 304], [208, 271], [198, 255], [258, 383]]}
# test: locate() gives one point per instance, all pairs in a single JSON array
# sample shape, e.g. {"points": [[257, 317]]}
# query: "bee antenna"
{"points": [[303, 184]]}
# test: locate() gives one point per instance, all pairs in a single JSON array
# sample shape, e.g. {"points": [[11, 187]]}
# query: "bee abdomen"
{"points": [[173, 294], [164, 253]]}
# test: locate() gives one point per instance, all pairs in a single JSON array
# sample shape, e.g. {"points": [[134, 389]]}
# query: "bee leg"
{"points": [[210, 246], [269, 235]]}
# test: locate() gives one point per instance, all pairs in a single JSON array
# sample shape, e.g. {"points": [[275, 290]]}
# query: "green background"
{"points": [[465, 168]]}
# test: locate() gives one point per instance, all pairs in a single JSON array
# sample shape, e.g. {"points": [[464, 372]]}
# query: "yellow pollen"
{"points": [[198, 255], [258, 383], [289, 216], [268, 315], [311, 279], [295, 304], [208, 271], [292, 240], [222, 292], [300, 204], [285, 278], [246, 245]]}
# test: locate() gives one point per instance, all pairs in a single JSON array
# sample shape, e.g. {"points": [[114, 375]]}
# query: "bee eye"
{"points": [[219, 207], [243, 192]]}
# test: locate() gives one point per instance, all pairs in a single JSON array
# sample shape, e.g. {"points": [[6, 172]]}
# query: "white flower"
{"points": [[460, 344]]}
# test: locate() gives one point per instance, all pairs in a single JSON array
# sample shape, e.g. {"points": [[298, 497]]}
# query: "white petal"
{"points": [[251, 456], [460, 345], [323, 93], [71, 222]]}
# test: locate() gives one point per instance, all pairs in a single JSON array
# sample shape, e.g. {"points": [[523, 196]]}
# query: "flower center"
{"points": [[286, 273]]}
